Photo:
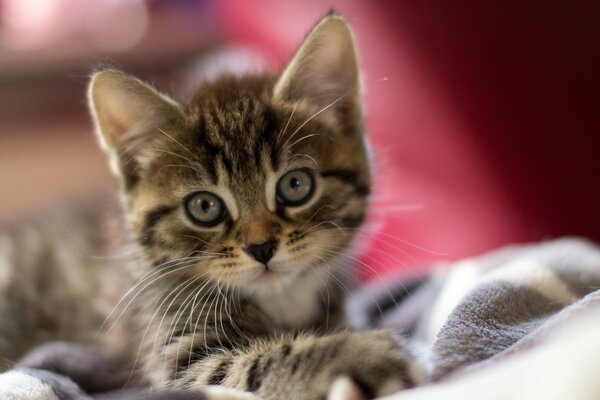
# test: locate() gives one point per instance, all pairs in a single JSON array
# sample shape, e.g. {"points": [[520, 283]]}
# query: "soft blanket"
{"points": [[522, 322]]}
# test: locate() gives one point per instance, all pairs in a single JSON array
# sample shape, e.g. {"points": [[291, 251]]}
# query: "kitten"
{"points": [[244, 204]]}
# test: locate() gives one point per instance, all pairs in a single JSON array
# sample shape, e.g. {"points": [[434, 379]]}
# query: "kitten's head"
{"points": [[257, 180]]}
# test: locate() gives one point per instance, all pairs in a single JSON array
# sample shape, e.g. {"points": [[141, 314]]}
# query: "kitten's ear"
{"points": [[324, 71], [128, 115]]}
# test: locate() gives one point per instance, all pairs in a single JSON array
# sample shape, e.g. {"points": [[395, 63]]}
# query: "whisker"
{"points": [[312, 229], [315, 213], [228, 310], [435, 253], [375, 272], [178, 267], [221, 296], [402, 208], [282, 132], [206, 317], [180, 145], [356, 282], [181, 311], [189, 281], [171, 153], [205, 242], [177, 166], [313, 117], [173, 325], [307, 156], [201, 301], [301, 139]]}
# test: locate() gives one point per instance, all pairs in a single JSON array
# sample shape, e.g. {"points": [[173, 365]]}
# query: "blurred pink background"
{"points": [[484, 116]]}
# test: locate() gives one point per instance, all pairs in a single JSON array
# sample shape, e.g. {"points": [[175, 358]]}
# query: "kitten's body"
{"points": [[251, 299], [56, 279]]}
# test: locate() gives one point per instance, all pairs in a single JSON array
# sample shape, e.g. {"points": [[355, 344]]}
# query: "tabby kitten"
{"points": [[245, 202]]}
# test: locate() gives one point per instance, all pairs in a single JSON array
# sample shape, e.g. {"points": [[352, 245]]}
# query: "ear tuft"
{"points": [[333, 13], [104, 67]]}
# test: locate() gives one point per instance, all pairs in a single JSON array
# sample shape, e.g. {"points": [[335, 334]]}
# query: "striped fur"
{"points": [[205, 312], [220, 318]]}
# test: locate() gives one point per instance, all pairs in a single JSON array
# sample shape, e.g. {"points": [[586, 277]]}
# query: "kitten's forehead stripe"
{"points": [[346, 175], [265, 141], [152, 218], [350, 177], [156, 214], [212, 150], [236, 128]]}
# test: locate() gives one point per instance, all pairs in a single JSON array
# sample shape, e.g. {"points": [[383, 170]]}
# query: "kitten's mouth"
{"points": [[271, 271], [268, 273]]}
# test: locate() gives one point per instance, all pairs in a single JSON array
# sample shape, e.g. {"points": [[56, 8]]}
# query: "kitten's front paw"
{"points": [[378, 363]]}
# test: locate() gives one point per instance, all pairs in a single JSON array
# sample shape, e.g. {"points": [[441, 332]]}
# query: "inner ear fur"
{"points": [[324, 71], [128, 115]]}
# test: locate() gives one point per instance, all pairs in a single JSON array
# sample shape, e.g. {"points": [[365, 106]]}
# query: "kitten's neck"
{"points": [[311, 302]]}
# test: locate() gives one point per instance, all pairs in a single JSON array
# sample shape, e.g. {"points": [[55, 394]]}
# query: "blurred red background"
{"points": [[484, 116]]}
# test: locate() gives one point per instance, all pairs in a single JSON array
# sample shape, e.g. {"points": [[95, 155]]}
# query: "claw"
{"points": [[223, 393], [344, 389]]}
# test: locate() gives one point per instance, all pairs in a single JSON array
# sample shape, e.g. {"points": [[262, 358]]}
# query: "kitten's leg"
{"points": [[207, 393], [91, 368], [39, 384], [305, 367], [74, 372]]}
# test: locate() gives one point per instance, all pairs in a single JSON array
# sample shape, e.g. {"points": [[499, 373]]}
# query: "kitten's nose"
{"points": [[262, 252]]}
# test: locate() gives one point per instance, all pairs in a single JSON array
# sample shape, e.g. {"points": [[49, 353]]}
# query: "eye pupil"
{"points": [[206, 209], [206, 205], [294, 183], [295, 188]]}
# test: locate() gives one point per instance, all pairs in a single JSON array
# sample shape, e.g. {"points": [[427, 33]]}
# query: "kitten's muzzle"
{"points": [[262, 252]]}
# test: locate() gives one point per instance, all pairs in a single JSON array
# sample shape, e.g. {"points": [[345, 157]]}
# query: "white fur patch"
{"points": [[298, 304]]}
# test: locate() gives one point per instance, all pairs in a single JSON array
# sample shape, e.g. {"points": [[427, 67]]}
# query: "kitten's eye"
{"points": [[205, 208], [295, 187]]}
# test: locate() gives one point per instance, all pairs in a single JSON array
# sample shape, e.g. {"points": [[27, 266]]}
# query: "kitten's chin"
{"points": [[275, 276]]}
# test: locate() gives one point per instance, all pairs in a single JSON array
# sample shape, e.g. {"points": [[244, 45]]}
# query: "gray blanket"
{"points": [[480, 321], [496, 326]]}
